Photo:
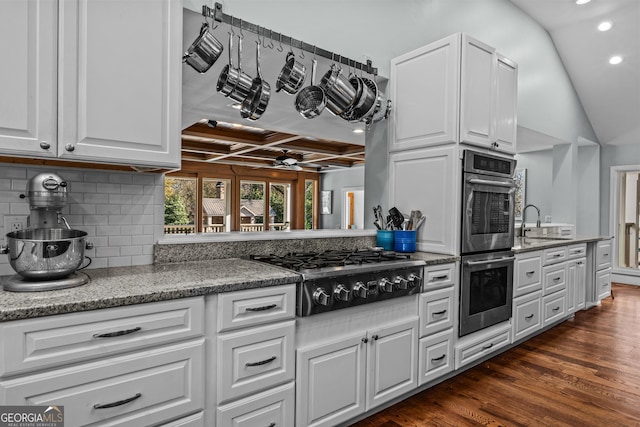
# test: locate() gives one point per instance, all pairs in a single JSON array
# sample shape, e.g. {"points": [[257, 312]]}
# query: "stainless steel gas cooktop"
{"points": [[334, 280]]}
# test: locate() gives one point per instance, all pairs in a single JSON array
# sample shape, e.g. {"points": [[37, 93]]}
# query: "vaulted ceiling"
{"points": [[610, 94]]}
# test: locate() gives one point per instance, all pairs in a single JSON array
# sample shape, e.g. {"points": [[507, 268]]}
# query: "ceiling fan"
{"points": [[288, 162]]}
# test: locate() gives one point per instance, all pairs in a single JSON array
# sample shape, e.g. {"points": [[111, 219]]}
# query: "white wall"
{"points": [[335, 181], [612, 155], [122, 212], [539, 166]]}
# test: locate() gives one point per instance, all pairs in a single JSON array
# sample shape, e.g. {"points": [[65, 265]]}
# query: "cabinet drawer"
{"points": [[255, 307], [554, 307], [526, 315], [143, 388], [255, 359], [577, 251], [438, 276], [603, 283], [436, 311], [528, 273], [56, 340], [554, 255], [271, 408], [195, 420], [483, 345], [435, 356], [603, 254], [554, 278]]}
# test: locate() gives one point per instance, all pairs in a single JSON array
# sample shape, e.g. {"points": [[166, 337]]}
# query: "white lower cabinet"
{"points": [[554, 307], [603, 283], [527, 317], [255, 359], [195, 420], [436, 310], [435, 356], [576, 284], [142, 388], [339, 380], [274, 408], [482, 343]]}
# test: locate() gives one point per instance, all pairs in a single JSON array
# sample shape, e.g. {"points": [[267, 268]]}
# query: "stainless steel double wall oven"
{"points": [[488, 209]]}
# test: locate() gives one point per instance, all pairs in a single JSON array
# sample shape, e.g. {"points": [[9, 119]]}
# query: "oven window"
{"points": [[490, 213], [488, 289]]}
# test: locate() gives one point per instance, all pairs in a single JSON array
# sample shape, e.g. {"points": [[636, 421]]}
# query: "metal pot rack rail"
{"points": [[218, 15]]}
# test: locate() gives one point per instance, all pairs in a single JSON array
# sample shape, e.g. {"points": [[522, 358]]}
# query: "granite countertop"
{"points": [[528, 244], [112, 287]]}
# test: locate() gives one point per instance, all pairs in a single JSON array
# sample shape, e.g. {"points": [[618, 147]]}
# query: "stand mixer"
{"points": [[48, 253]]}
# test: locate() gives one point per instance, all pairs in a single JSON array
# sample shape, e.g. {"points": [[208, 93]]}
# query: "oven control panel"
{"points": [[322, 294]]}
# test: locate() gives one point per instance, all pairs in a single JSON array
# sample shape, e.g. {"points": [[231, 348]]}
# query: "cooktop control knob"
{"points": [[414, 280], [360, 290], [385, 285], [321, 297], [341, 293], [400, 282]]}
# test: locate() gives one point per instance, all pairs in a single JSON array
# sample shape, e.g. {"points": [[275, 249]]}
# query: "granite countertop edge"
{"points": [[526, 244]]}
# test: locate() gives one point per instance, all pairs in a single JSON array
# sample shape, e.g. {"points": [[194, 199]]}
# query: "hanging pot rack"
{"points": [[218, 15]]}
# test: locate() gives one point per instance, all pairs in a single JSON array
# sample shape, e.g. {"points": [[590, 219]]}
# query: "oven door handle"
{"points": [[489, 261], [493, 183]]}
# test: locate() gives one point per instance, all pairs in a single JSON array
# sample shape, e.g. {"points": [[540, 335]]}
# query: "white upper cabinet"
{"points": [[457, 89], [28, 47], [92, 81]]}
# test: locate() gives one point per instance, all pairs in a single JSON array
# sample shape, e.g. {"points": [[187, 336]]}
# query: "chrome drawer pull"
{"points": [[262, 362], [530, 273], [529, 317], [117, 333], [555, 279], [263, 308], [118, 403], [272, 425], [557, 255], [443, 277], [555, 308], [438, 313], [487, 347], [437, 359]]}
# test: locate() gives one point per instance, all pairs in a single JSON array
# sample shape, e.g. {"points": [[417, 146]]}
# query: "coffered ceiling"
{"points": [[221, 142]]}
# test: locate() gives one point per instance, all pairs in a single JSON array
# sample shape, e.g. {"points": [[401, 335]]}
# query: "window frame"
{"points": [[236, 173]]}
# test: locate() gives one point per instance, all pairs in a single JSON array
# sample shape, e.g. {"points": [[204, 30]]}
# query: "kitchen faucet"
{"points": [[522, 229]]}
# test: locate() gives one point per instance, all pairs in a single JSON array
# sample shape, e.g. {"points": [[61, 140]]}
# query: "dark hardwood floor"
{"points": [[583, 372]]}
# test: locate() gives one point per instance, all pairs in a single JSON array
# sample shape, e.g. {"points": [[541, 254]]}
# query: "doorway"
{"points": [[625, 222], [353, 208]]}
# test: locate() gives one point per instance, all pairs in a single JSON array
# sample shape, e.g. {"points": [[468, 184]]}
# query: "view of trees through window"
{"points": [[253, 211], [179, 205]]}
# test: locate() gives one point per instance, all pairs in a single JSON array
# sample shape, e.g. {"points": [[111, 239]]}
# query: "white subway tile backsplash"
{"points": [[119, 241], [121, 212]]}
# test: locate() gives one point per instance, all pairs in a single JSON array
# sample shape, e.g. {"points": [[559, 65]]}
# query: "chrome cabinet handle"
{"points": [[118, 403], [487, 347], [443, 277], [530, 273], [262, 362], [437, 359], [375, 337], [529, 317], [262, 308], [489, 261], [555, 279], [493, 183], [45, 145], [365, 340], [117, 333], [438, 313], [555, 308], [69, 147]]}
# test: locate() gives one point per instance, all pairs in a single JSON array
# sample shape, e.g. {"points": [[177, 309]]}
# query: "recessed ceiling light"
{"points": [[605, 26], [615, 60], [582, 1]]}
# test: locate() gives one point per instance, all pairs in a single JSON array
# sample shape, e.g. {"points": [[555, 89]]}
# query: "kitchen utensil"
{"points": [[417, 225], [396, 217], [204, 51], [340, 93], [292, 75], [257, 100], [311, 100], [233, 82], [45, 253]]}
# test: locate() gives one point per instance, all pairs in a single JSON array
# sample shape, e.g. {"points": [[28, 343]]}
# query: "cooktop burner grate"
{"points": [[315, 260]]}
